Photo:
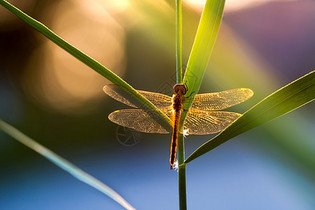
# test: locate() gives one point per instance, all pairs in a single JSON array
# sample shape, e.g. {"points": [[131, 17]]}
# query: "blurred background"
{"points": [[58, 101]]}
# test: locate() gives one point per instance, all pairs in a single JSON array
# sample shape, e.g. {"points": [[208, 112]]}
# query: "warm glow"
{"points": [[115, 5], [63, 82], [197, 4]]}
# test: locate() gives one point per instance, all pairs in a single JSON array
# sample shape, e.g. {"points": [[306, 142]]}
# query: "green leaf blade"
{"points": [[286, 99], [203, 44], [63, 164]]}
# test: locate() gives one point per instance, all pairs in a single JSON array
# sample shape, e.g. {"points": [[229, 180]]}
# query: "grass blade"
{"points": [[63, 163], [203, 44], [286, 99], [206, 35], [92, 63]]}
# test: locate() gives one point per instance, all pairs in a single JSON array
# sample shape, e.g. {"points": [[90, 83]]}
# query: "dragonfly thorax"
{"points": [[180, 89]]}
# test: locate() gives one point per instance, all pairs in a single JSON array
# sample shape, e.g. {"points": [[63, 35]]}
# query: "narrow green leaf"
{"points": [[203, 44], [92, 63], [63, 164], [286, 99], [206, 35]]}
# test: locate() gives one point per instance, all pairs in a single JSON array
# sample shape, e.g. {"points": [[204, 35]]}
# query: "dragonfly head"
{"points": [[180, 88]]}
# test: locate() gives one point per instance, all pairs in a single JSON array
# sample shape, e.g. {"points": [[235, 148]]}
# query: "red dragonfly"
{"points": [[202, 118]]}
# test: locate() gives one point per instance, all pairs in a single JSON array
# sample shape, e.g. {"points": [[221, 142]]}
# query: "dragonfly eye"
{"points": [[180, 88]]}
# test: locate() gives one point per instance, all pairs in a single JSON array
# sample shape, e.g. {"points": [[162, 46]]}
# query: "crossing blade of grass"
{"points": [[286, 99], [205, 38], [93, 64], [63, 164]]}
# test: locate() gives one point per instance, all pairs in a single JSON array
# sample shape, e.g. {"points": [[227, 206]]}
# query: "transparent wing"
{"points": [[139, 120], [221, 100], [158, 99], [199, 122]]}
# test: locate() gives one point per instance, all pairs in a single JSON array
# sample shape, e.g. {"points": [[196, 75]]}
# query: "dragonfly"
{"points": [[203, 117]]}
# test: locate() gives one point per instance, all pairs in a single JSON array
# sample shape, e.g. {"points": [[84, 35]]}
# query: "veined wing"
{"points": [[158, 99], [139, 120], [221, 100], [199, 122]]}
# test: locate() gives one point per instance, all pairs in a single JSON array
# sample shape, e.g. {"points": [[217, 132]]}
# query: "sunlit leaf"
{"points": [[203, 44], [286, 99]]}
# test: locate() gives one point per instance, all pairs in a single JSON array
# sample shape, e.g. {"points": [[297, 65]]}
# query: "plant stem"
{"points": [[181, 173], [179, 36], [179, 79]]}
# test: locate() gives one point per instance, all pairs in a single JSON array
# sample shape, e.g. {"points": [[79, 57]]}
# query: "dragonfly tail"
{"points": [[174, 139]]}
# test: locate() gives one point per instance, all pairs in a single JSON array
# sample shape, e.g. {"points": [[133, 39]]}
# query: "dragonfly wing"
{"points": [[139, 120], [158, 99], [221, 100], [199, 122]]}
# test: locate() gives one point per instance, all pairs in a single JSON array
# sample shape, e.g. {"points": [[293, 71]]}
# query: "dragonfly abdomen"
{"points": [[178, 98], [174, 137]]}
